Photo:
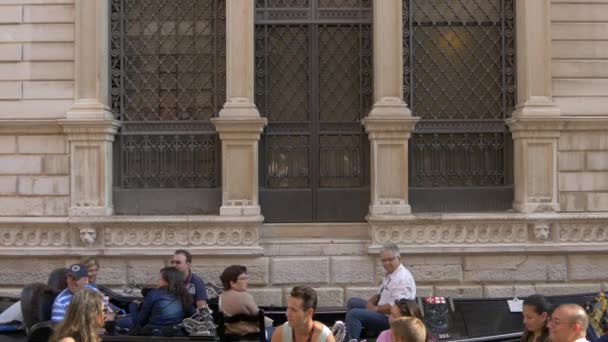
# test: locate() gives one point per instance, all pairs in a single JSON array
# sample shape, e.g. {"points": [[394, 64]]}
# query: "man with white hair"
{"points": [[373, 314], [568, 323]]}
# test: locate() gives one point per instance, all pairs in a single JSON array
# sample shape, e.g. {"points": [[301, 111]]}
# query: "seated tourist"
{"points": [[536, 310], [163, 307], [236, 300], [403, 308], [83, 319], [300, 327], [182, 260], [92, 265], [373, 313], [77, 279], [408, 329]]}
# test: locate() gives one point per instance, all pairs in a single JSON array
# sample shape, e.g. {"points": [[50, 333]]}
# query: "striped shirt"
{"points": [[60, 305]]}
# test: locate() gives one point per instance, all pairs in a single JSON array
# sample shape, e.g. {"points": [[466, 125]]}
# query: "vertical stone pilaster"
{"points": [[390, 122], [239, 123], [536, 121], [89, 123]]}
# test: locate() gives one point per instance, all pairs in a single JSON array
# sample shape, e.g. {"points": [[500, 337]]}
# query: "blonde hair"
{"points": [[408, 329], [89, 261], [83, 318]]}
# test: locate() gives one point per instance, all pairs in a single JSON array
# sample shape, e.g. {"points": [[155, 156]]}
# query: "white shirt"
{"points": [[397, 285], [582, 339]]}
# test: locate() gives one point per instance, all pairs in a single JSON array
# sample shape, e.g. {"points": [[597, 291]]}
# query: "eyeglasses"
{"points": [[557, 322], [173, 262], [388, 259]]}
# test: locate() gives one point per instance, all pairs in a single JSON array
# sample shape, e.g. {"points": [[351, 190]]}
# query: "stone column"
{"points": [[390, 122], [536, 121], [239, 123], [89, 124]]}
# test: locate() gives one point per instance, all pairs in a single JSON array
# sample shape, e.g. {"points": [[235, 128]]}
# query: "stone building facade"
{"points": [[58, 174]]}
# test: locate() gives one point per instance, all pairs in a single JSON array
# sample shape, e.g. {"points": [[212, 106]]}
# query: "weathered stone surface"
{"points": [[8, 144], [36, 33], [361, 292], [11, 14], [597, 161], [329, 296], [48, 51], [459, 291], [293, 250], [44, 185], [583, 181], [37, 71], [21, 271], [8, 185], [48, 13], [571, 161], [16, 164], [56, 206], [34, 109], [588, 267], [142, 271], [300, 270], [113, 271], [21, 206], [436, 273], [10, 90], [580, 141], [56, 164], [267, 296], [514, 268], [10, 52], [573, 201], [424, 291], [42, 144], [48, 89], [211, 268], [508, 291], [352, 270], [431, 260], [563, 289], [597, 201]]}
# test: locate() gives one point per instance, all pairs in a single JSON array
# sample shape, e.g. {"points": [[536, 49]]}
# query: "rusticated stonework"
{"points": [[450, 233], [582, 232], [34, 237]]}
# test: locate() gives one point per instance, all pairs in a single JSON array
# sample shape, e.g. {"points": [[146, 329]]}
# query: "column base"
{"points": [[388, 209], [245, 210], [89, 109], [546, 207]]}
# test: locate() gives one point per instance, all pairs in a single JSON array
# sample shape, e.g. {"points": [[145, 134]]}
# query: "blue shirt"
{"points": [[196, 287], [161, 309], [61, 302]]}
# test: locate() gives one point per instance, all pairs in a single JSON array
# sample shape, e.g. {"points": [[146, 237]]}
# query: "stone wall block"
{"points": [[16, 164], [56, 206], [42, 144], [459, 291], [588, 267], [11, 14], [328, 296], [267, 296], [56, 164], [514, 268], [48, 51], [144, 271], [10, 90], [8, 185], [47, 13], [21, 271], [564, 289], [10, 52], [44, 185], [8, 144], [573, 201], [424, 291], [581, 141], [21, 206], [211, 269], [48, 89], [571, 161], [508, 291], [597, 161], [436, 273], [113, 271], [352, 270], [300, 271], [583, 181], [361, 292], [597, 201]]}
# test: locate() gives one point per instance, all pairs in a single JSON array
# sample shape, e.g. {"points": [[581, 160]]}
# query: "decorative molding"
{"points": [[582, 232], [30, 127], [34, 237]]}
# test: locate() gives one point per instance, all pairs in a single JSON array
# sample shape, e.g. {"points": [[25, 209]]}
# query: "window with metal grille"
{"points": [[167, 82], [459, 78]]}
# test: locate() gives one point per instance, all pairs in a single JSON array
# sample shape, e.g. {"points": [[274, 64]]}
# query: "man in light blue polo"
{"points": [[77, 279]]}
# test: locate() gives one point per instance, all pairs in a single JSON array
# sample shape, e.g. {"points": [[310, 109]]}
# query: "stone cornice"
{"points": [[239, 128], [585, 123]]}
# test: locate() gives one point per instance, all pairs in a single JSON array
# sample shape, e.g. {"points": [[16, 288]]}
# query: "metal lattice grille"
{"points": [[459, 79], [168, 81], [314, 83]]}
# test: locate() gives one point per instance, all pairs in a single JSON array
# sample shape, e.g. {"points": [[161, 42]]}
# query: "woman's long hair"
{"points": [[175, 285], [540, 305], [83, 318]]}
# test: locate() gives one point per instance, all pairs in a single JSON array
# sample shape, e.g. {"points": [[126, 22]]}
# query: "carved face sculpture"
{"points": [[541, 231], [88, 235]]}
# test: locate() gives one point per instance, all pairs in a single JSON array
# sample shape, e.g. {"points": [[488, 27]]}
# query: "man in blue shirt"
{"points": [[77, 279], [182, 260]]}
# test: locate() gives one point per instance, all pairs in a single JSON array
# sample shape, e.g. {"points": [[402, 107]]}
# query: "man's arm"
{"points": [[277, 335], [200, 296]]}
